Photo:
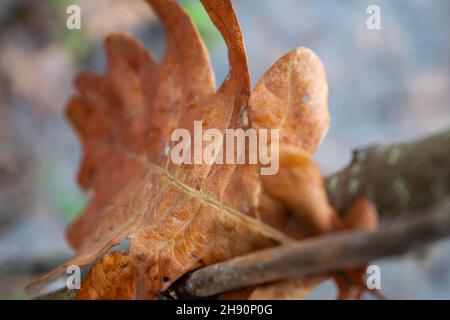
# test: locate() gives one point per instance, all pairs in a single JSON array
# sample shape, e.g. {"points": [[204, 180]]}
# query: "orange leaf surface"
{"points": [[178, 218]]}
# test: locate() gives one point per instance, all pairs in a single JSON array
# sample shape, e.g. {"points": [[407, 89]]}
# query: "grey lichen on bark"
{"points": [[396, 178]]}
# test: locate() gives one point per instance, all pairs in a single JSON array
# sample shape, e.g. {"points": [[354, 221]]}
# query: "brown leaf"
{"points": [[300, 187], [293, 96], [181, 217], [362, 215], [178, 218], [112, 277]]}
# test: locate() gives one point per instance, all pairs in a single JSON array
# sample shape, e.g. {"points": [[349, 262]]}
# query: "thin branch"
{"points": [[320, 255], [397, 178]]}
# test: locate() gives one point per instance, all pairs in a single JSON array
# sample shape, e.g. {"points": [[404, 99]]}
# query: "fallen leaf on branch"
{"points": [[179, 218]]}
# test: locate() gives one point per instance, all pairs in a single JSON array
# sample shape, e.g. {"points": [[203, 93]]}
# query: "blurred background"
{"points": [[385, 86]]}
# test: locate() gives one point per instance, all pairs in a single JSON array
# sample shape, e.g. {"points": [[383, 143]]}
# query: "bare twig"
{"points": [[397, 178], [320, 255]]}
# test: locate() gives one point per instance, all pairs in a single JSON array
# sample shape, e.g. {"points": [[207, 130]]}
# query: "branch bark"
{"points": [[397, 178], [320, 255]]}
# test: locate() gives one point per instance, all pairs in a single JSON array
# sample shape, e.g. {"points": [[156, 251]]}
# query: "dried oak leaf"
{"points": [[292, 96], [178, 218]]}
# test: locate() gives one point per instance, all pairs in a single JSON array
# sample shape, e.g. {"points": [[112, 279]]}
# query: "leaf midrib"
{"points": [[267, 230]]}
